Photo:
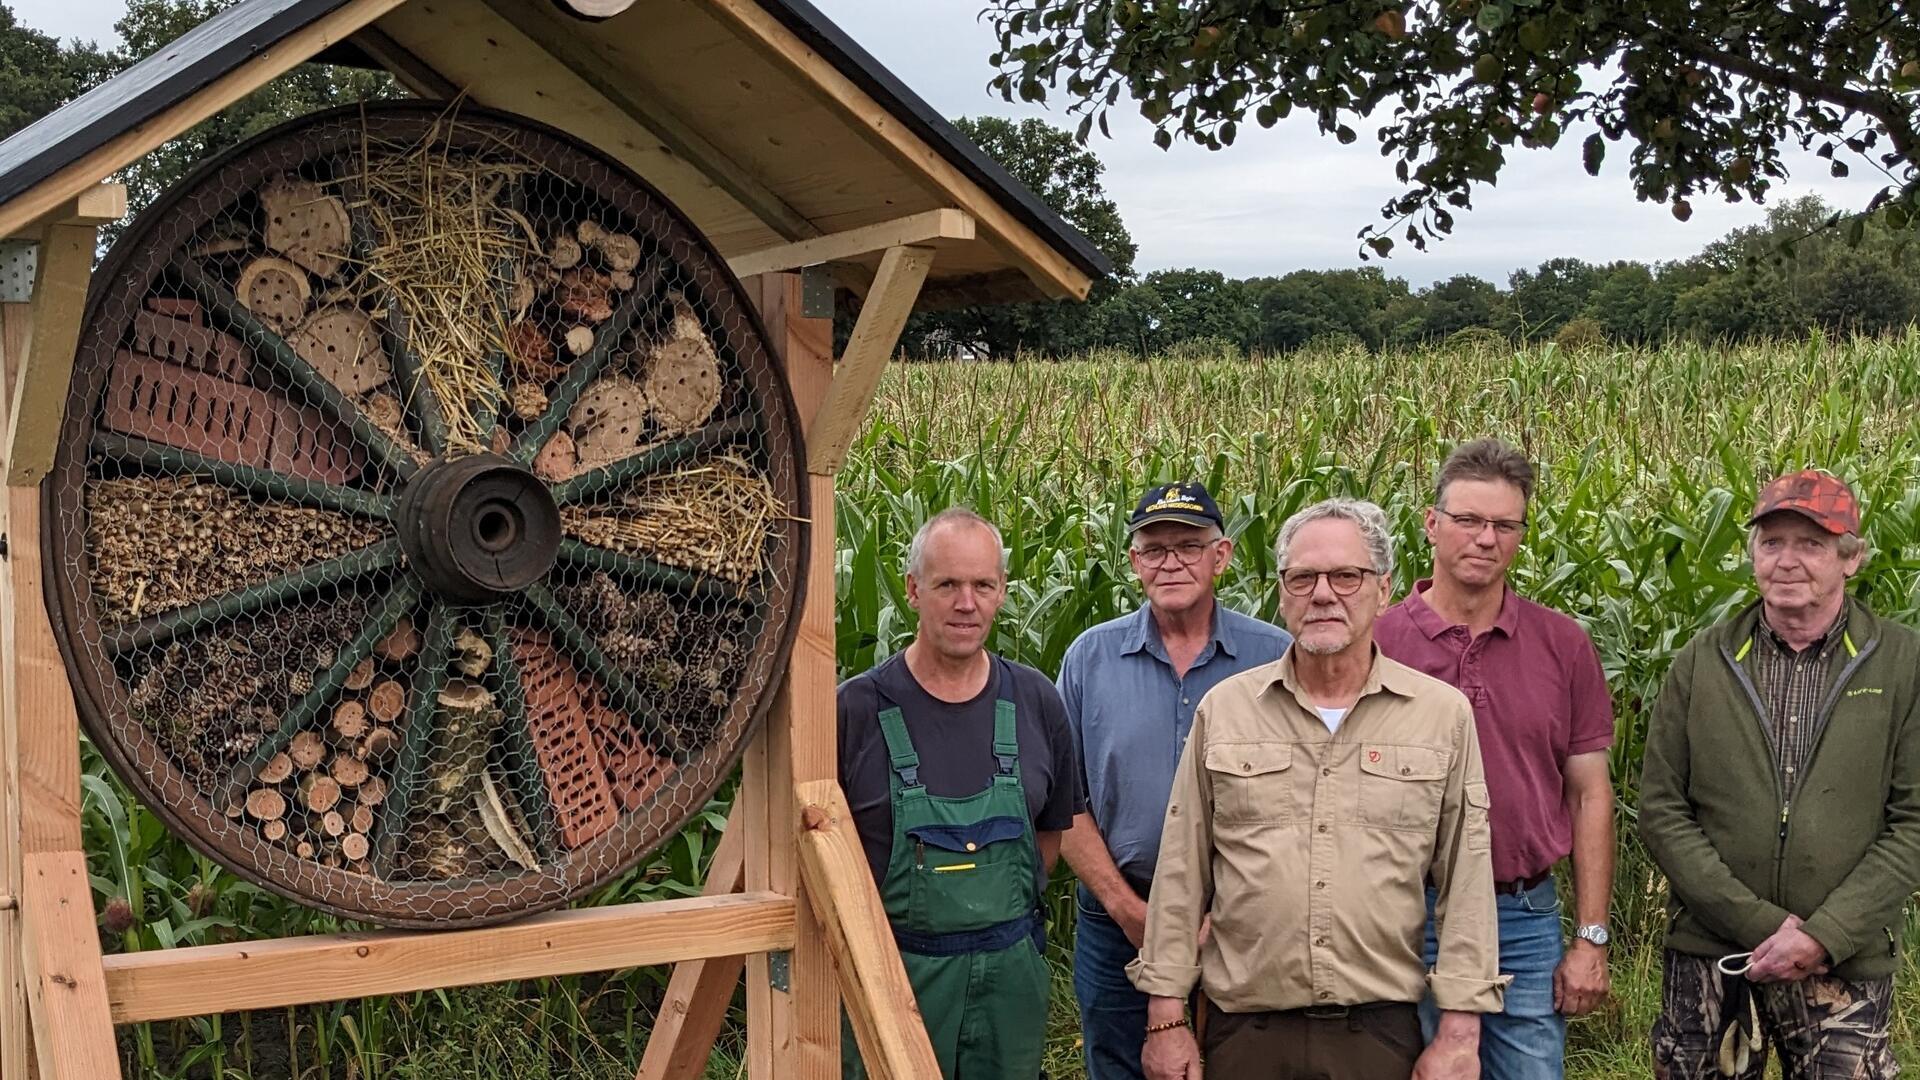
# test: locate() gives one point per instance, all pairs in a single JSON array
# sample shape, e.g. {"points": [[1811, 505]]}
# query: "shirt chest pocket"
{"points": [[1251, 782], [1401, 787]]}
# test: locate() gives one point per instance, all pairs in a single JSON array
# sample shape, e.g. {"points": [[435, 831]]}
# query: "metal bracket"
{"points": [[816, 292], [18, 261], [780, 970]]}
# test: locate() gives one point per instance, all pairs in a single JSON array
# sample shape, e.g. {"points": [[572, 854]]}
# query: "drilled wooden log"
{"points": [[349, 721], [307, 750], [266, 804], [401, 643], [386, 701], [278, 768]]}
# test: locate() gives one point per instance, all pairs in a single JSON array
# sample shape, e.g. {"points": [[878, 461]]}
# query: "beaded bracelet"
{"points": [[1168, 1026]]}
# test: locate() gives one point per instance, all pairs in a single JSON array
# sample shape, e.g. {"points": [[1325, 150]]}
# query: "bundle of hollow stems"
{"points": [[712, 517]]}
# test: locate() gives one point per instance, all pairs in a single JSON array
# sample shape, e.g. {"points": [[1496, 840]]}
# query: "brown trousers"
{"points": [[1823, 1028], [1372, 1042]]}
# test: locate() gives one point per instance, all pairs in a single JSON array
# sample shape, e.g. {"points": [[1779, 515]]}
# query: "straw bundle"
{"points": [[712, 517], [446, 247]]}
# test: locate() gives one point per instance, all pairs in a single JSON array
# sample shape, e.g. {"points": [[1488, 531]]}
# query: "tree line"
{"points": [[1794, 271]]}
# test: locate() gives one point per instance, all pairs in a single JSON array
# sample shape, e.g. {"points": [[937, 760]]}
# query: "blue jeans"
{"points": [[1113, 1015], [1529, 1040]]}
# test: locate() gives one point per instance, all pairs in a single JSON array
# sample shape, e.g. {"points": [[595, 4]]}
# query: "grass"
{"points": [[1648, 460]]}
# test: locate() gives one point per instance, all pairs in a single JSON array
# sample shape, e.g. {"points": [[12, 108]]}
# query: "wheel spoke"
{"points": [[163, 628], [302, 713], [429, 678], [584, 370], [270, 347], [525, 775], [620, 691], [647, 572], [259, 483], [654, 460]]}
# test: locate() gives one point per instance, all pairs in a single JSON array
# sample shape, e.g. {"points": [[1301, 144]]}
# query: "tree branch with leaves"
{"points": [[1703, 94]]}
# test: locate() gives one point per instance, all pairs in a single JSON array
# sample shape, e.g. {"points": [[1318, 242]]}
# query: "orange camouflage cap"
{"points": [[1822, 497]]}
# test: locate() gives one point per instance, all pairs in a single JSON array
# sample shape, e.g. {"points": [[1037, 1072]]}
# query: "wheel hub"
{"points": [[478, 528]]}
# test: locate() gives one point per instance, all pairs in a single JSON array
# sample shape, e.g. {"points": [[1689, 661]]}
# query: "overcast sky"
{"points": [[1276, 200]]}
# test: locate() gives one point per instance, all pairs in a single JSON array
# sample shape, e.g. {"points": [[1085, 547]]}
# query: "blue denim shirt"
{"points": [[1130, 717]]}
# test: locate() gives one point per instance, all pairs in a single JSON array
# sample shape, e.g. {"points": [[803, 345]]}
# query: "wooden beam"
{"points": [[63, 270], [49, 746], [628, 90], [913, 229], [700, 993], [1049, 269], [72, 1037], [420, 79], [15, 1043], [796, 1033], [875, 334], [43, 198], [880, 1001], [101, 204], [179, 982]]}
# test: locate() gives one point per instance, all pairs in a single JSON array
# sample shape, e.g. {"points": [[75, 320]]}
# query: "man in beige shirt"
{"points": [[1315, 799]]}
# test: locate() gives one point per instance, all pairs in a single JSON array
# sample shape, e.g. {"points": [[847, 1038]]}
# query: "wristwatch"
{"points": [[1594, 932]]}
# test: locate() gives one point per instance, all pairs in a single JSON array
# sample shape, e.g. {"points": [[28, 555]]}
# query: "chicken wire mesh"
{"points": [[426, 534]]}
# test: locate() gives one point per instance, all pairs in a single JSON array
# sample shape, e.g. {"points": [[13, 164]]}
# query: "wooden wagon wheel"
{"points": [[320, 608]]}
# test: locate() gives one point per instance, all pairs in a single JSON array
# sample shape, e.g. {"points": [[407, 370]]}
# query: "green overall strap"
{"points": [[900, 752], [1006, 740]]}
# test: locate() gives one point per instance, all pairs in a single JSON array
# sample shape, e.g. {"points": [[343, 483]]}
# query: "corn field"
{"points": [[1648, 460]]}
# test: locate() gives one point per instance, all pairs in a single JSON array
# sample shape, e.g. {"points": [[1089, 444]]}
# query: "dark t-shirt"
{"points": [[955, 744]]}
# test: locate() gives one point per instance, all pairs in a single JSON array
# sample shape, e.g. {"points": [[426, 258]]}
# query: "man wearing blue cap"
{"points": [[1130, 686]]}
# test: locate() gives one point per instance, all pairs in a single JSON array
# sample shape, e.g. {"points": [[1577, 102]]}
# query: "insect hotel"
{"points": [[426, 505]]}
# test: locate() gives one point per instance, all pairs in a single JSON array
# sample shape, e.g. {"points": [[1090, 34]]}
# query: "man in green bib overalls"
{"points": [[959, 768]]}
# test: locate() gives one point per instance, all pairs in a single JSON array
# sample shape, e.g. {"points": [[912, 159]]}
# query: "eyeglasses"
{"points": [[1471, 524], [1344, 580], [1188, 552]]}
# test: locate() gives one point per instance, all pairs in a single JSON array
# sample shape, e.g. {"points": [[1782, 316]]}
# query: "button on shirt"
{"points": [[1130, 716], [1539, 697], [1312, 850]]}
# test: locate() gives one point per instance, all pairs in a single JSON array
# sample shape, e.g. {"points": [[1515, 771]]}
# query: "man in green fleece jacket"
{"points": [[1781, 796]]}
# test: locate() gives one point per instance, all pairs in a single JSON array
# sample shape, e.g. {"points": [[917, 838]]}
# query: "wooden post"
{"points": [[16, 1046], [58, 945], [794, 1034]]}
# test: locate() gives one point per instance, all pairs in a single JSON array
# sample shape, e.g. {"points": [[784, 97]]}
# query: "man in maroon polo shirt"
{"points": [[1545, 722]]}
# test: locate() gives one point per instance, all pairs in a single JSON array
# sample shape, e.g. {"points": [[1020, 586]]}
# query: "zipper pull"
{"points": [[1785, 808]]}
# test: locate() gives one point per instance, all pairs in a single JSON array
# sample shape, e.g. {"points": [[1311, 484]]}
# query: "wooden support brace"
{"points": [[880, 1001], [914, 229], [700, 991], [39, 397], [101, 204], [295, 971], [875, 334], [72, 1037]]}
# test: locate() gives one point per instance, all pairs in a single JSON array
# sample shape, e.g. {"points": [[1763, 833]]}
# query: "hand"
{"points": [[1580, 982], [1171, 1055], [1790, 955], [1454, 1053], [1130, 915]]}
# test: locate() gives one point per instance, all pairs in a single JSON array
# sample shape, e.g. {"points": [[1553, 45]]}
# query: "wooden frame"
{"points": [[808, 898]]}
